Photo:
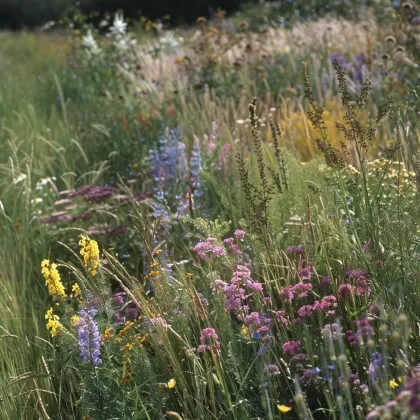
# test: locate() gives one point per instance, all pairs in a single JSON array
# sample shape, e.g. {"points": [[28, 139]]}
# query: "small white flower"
{"points": [[42, 182], [89, 42], [240, 122], [20, 178], [118, 27], [36, 200]]}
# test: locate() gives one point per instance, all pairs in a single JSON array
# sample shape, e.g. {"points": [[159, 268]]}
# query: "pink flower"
{"points": [[253, 285], [239, 234], [345, 291], [281, 316], [306, 310], [209, 339], [292, 347]]}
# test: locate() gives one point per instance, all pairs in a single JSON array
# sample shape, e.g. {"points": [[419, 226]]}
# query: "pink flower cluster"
{"points": [[239, 235], [159, 321], [209, 339], [281, 317], [292, 347], [326, 305], [258, 325], [235, 293], [298, 291], [358, 286], [209, 247]]}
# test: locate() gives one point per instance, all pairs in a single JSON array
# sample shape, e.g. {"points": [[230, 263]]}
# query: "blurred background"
{"points": [[19, 14]]}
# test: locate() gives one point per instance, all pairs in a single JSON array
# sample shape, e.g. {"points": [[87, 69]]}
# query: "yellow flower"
{"points": [[107, 335], [75, 319], [245, 332], [52, 279], [283, 409], [53, 325], [90, 253], [171, 384], [76, 290], [393, 384]]}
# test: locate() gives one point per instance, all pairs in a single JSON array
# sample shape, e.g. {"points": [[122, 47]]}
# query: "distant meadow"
{"points": [[212, 220]]}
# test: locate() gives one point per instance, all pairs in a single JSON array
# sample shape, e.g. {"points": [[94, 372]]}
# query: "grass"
{"points": [[211, 223]]}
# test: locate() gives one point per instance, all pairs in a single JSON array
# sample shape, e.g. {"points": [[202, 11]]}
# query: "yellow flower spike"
{"points": [[76, 290], [90, 254], [393, 384], [53, 325], [49, 313], [284, 409], [171, 384], [52, 279]]}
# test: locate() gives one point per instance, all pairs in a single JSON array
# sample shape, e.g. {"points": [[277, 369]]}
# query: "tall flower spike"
{"points": [[88, 334], [52, 279], [53, 325], [90, 253]]}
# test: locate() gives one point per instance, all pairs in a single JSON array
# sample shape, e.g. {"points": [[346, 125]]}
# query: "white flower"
{"points": [[42, 182], [20, 178], [118, 27], [36, 200], [169, 42], [124, 43], [89, 42]]}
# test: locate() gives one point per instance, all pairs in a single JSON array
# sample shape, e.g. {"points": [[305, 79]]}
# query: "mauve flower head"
{"points": [[310, 380], [82, 216], [117, 230], [306, 311], [253, 321], [131, 313], [326, 281], [305, 273], [209, 340], [209, 247], [63, 201], [345, 291], [281, 317], [299, 362], [272, 369], [81, 190], [239, 234], [97, 193], [295, 250], [291, 347], [119, 298]]}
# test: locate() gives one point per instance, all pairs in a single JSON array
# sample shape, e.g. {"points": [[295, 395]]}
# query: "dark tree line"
{"points": [[15, 14]]}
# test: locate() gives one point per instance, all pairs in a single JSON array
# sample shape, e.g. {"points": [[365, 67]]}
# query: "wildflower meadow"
{"points": [[212, 220]]}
